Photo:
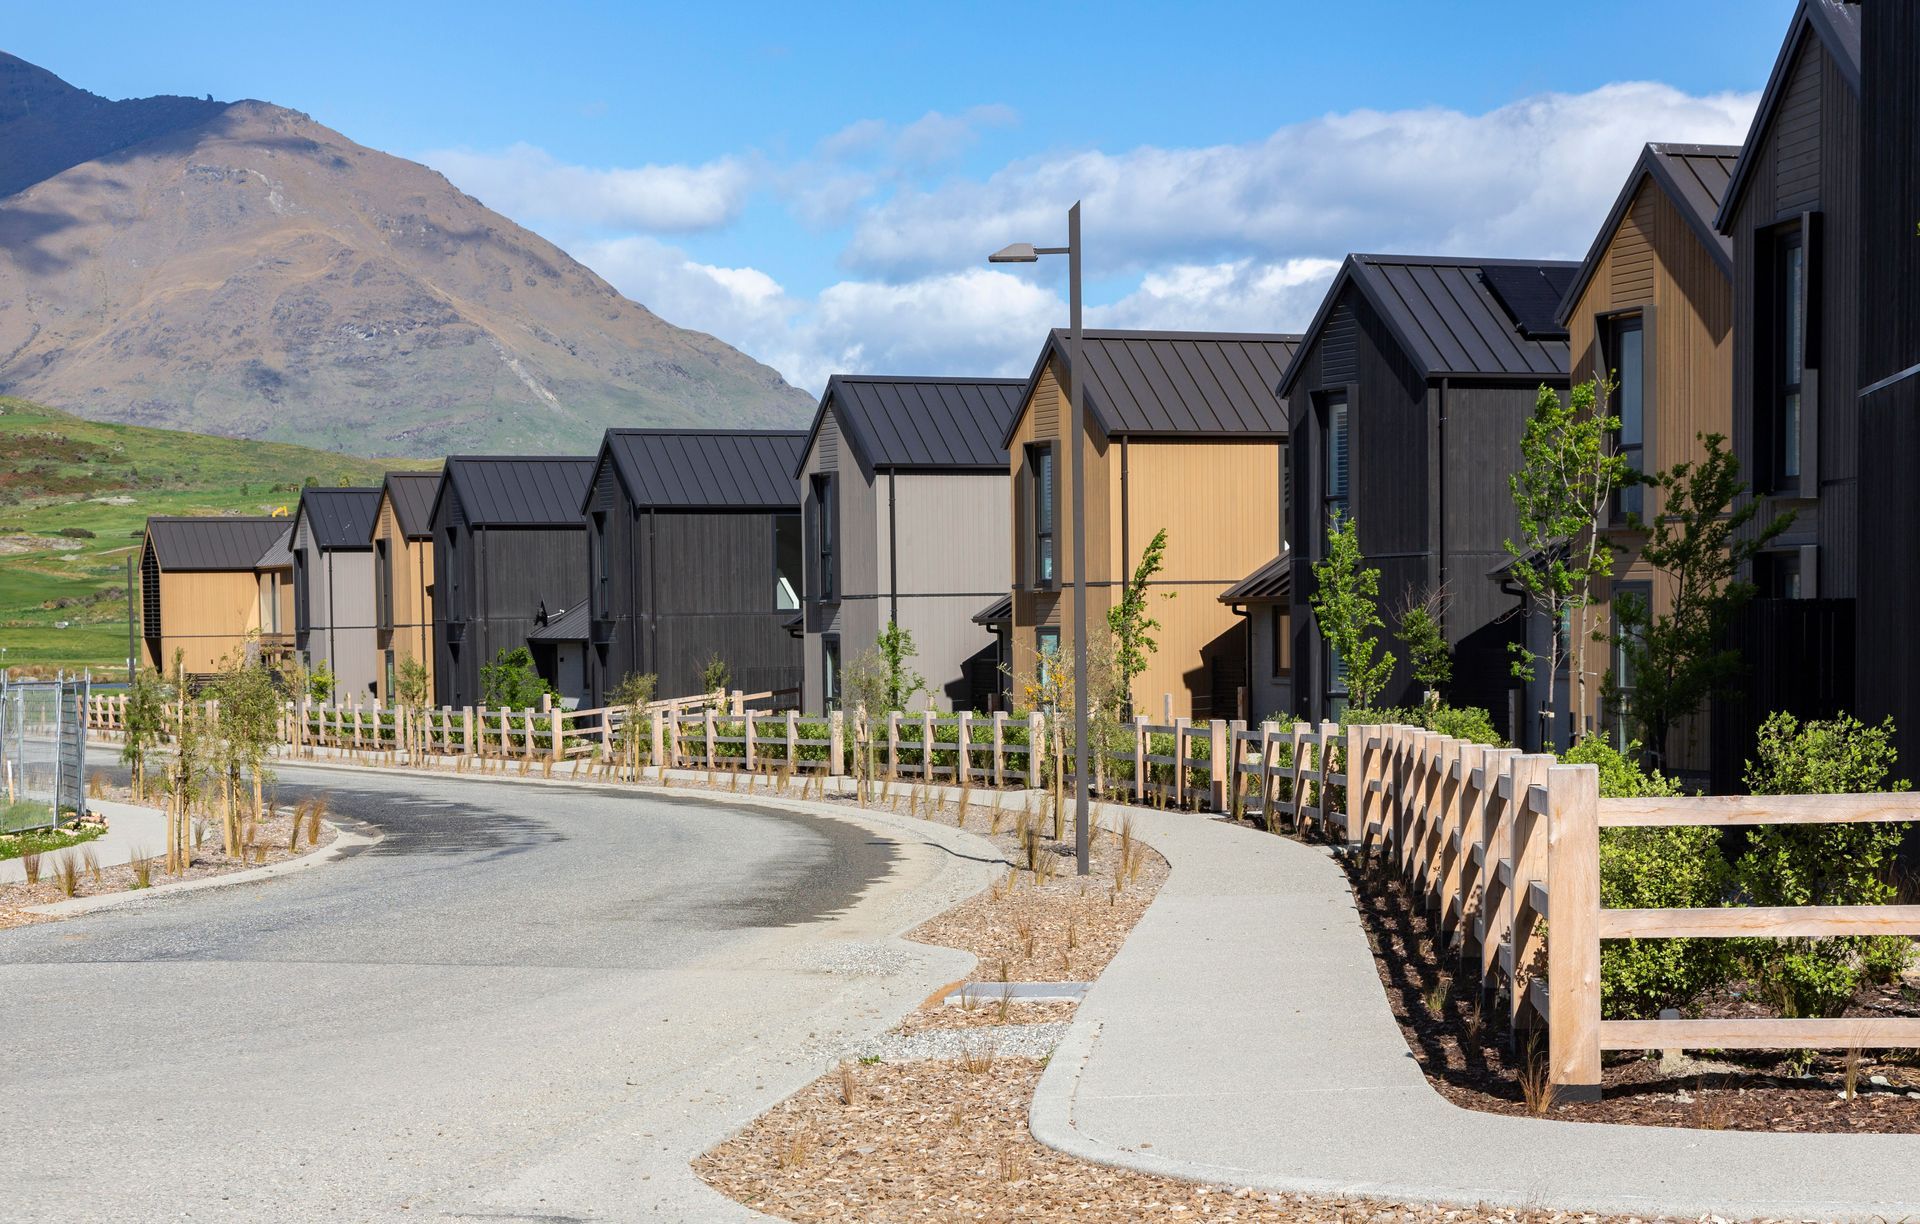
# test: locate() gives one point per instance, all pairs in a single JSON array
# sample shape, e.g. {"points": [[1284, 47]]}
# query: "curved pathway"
{"points": [[526, 1001]]}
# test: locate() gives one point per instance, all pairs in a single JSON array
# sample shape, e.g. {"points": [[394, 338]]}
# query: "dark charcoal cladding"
{"points": [[924, 423], [705, 468], [509, 491], [1531, 296]]}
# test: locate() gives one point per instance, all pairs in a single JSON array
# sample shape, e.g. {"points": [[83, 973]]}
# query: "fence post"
{"points": [[657, 737], [1140, 738], [1573, 946], [893, 744], [999, 748], [837, 743], [673, 738], [707, 725], [1180, 731], [1036, 751], [793, 740], [963, 736], [1219, 741], [556, 713], [748, 736], [1526, 858], [926, 746]]}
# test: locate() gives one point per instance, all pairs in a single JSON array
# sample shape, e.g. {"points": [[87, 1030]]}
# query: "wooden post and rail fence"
{"points": [[1492, 843]]}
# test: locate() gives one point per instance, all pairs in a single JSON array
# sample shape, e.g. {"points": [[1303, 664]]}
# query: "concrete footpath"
{"points": [[130, 830], [1242, 1037]]}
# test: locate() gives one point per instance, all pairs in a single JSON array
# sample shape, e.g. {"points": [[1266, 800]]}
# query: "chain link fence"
{"points": [[43, 752]]}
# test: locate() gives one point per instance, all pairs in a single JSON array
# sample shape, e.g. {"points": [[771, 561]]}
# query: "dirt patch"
{"points": [[270, 844], [1463, 1046], [988, 1014]]}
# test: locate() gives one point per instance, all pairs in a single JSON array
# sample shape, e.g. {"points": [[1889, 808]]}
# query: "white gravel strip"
{"points": [[1005, 1040]]}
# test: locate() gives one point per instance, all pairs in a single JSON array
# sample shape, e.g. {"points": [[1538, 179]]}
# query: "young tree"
{"points": [[320, 682], [716, 676], [511, 681], [632, 695], [1346, 606], [1701, 541], [241, 742], [145, 725], [1128, 619], [900, 682], [1569, 472], [1421, 632]]}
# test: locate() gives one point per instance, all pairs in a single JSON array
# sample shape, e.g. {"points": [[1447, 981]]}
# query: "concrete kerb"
{"points": [[347, 841], [1150, 1079]]}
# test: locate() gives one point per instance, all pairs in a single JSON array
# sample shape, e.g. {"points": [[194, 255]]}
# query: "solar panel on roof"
{"points": [[1530, 296]]}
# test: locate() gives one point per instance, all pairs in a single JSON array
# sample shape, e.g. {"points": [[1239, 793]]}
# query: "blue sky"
{"points": [[819, 184]]}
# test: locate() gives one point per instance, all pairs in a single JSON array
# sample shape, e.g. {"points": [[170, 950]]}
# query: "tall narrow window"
{"points": [[830, 670], [787, 550], [1631, 602], [453, 576], [1339, 457], [601, 585], [1040, 465], [383, 586], [1336, 683], [1047, 648], [1626, 354], [825, 528], [1281, 622], [1790, 345], [301, 620]]}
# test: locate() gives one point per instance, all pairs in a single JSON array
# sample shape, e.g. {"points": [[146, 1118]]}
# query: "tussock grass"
{"points": [[316, 812], [1536, 1090], [97, 785], [1850, 1066], [797, 1150], [91, 862], [66, 873], [976, 1060], [142, 866], [850, 1092], [30, 863]]}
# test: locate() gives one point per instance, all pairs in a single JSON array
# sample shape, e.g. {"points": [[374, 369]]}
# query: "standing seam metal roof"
{"points": [[214, 543], [707, 468], [511, 491], [1271, 583], [412, 494], [1447, 320], [1146, 382], [340, 519], [921, 422], [1695, 178]]}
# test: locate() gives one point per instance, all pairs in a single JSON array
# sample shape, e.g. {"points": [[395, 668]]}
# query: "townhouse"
{"points": [[403, 576], [333, 595], [214, 589]]}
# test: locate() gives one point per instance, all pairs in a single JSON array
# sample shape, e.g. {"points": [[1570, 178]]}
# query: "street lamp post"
{"points": [[1021, 252]]}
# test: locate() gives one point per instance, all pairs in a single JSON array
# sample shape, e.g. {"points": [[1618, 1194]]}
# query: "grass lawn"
{"points": [[74, 496], [39, 840]]}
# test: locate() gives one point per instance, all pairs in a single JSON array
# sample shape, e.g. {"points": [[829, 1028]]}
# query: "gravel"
{"points": [[1005, 1040]]}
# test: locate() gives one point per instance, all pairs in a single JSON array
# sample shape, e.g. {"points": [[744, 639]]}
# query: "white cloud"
{"points": [[1242, 295], [531, 185], [1532, 177]]}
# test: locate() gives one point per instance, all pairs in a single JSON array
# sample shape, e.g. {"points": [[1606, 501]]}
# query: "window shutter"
{"points": [[1810, 280]]}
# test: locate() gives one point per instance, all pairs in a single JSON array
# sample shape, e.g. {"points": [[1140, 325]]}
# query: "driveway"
{"points": [[524, 1002]]}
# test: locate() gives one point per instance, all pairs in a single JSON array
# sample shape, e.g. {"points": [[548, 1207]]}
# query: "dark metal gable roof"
{"points": [[921, 422], [1271, 583], [412, 495], [340, 519], [1836, 24], [213, 543], [1171, 383], [1446, 320], [1695, 178], [511, 491], [690, 469], [568, 626]]}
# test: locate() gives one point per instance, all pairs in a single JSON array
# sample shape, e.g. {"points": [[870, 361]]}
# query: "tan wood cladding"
{"points": [[208, 617], [1655, 264], [412, 604], [1218, 499]]}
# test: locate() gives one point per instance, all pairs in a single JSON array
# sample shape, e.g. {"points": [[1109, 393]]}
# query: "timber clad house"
{"points": [[507, 557], [1184, 433], [1792, 212], [903, 484], [1889, 374], [1652, 309], [403, 575], [214, 588], [333, 586], [693, 550], [1264, 599], [1406, 403]]}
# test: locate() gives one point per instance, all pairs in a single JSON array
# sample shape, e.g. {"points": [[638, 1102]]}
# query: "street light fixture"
{"points": [[1026, 252]]}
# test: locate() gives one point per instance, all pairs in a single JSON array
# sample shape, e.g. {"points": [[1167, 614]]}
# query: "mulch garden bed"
{"points": [[1470, 1060]]}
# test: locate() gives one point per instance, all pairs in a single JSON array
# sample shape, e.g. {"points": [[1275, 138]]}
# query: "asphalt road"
{"points": [[524, 1002]]}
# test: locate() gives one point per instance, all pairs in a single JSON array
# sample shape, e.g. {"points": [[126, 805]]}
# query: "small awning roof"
{"points": [[999, 612], [568, 626], [1271, 583]]}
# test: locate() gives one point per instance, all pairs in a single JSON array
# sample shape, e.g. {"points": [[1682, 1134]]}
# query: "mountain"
{"points": [[243, 270]]}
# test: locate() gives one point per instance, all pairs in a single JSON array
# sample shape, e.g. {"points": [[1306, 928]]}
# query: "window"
{"points": [[1631, 601], [301, 621], [1626, 355], [787, 550], [1040, 486], [453, 574], [601, 586], [1339, 456], [270, 603], [1280, 624], [1777, 575], [825, 529], [830, 669], [1336, 684], [391, 690], [1790, 349], [382, 586], [1047, 647]]}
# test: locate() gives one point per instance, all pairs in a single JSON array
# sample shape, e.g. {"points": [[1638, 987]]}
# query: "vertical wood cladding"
{"points": [[1888, 661]]}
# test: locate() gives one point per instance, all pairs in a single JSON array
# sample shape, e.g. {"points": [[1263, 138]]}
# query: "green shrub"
{"points": [[1681, 867], [1830, 864], [1470, 723]]}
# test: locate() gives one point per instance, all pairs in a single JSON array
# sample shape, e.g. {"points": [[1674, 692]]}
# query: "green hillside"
{"points": [[74, 495]]}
